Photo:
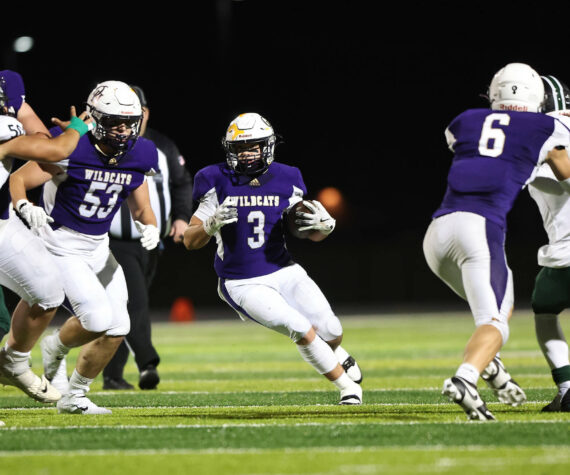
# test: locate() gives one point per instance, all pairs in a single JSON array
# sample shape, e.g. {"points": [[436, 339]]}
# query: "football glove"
{"points": [[317, 220], [150, 236], [226, 213], [33, 216]]}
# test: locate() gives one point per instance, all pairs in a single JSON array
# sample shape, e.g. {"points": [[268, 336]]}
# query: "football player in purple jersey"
{"points": [[245, 203], [81, 195], [25, 265], [496, 151]]}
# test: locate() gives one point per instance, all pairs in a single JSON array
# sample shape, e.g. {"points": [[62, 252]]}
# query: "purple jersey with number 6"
{"points": [[495, 155], [86, 197], [255, 244]]}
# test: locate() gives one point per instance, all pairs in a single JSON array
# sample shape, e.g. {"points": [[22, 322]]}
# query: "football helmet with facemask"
{"points": [[111, 104], [557, 95], [516, 87], [244, 132]]}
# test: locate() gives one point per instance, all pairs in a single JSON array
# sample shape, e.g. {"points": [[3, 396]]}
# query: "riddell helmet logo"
{"points": [[513, 107]]}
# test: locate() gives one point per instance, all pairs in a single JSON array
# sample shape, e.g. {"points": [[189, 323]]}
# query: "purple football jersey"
{"points": [[91, 192], [496, 153], [14, 89], [255, 244]]}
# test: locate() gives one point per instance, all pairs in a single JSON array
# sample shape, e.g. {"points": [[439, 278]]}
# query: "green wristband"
{"points": [[77, 124]]}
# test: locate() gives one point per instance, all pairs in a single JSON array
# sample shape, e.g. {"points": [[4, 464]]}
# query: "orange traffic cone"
{"points": [[182, 310]]}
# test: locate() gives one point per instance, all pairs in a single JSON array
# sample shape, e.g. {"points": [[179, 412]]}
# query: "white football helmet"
{"points": [[249, 128], [516, 87], [110, 104]]}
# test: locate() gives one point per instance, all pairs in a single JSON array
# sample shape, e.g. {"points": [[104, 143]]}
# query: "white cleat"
{"points": [[79, 404], [351, 396], [60, 381], [50, 356], [499, 380], [37, 388], [465, 394]]}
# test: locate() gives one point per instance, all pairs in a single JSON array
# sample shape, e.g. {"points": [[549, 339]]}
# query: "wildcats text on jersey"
{"points": [[108, 177], [256, 200]]}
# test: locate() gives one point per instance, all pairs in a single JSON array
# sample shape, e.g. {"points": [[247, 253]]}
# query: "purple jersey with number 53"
{"points": [[495, 155], [255, 244], [86, 197]]}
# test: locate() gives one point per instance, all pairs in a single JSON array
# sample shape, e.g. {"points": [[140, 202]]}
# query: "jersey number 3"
{"points": [[492, 140]]}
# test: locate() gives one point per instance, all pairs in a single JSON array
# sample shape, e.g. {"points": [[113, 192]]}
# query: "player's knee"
{"points": [[95, 318], [120, 326], [330, 329], [500, 324]]}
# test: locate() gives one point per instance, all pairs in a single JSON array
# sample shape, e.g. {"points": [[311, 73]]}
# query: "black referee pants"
{"points": [[139, 266]]}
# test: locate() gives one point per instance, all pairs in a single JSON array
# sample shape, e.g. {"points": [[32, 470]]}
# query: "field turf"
{"points": [[235, 398]]}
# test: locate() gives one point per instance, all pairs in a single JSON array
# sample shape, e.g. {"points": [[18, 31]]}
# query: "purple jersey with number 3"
{"points": [[86, 197], [255, 244], [495, 154]]}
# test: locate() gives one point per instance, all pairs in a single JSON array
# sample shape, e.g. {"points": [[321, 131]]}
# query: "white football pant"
{"points": [[26, 267], [466, 251], [287, 301], [93, 281]]}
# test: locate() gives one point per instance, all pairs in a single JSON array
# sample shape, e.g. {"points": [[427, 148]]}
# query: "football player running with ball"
{"points": [[246, 203], [496, 152], [81, 195]]}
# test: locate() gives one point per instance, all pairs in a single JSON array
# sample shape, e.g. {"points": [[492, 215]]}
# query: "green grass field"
{"points": [[235, 398]]}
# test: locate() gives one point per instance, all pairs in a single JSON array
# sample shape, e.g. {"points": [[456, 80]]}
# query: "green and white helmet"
{"points": [[557, 95]]}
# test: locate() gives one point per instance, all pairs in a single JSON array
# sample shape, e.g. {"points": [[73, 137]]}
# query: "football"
{"points": [[294, 228]]}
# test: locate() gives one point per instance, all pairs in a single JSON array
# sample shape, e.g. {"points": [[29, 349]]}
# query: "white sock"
{"points": [[59, 346], [468, 372], [341, 354], [319, 355], [19, 360], [551, 340], [79, 384], [343, 382]]}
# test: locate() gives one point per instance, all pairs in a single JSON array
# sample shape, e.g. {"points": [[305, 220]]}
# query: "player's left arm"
{"points": [[139, 205], [144, 217]]}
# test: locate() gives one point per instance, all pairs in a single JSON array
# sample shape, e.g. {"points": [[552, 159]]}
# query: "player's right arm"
{"points": [[559, 161], [195, 236], [37, 148]]}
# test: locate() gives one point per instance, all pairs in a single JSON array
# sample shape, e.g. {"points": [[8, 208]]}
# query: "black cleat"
{"points": [[116, 384], [466, 395], [149, 378]]}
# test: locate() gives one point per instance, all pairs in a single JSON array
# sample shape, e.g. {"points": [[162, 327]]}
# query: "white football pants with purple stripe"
{"points": [[287, 301], [466, 251]]}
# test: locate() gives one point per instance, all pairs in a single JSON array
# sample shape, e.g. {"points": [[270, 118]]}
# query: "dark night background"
{"points": [[360, 91]]}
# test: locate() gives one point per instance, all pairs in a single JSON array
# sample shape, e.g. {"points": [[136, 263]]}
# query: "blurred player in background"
{"points": [[246, 203], [26, 267], [81, 196], [495, 152], [551, 294]]}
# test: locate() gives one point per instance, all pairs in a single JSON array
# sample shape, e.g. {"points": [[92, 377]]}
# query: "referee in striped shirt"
{"points": [[171, 200]]}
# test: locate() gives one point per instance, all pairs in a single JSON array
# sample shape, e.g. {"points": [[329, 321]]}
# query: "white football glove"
{"points": [[34, 216], [317, 220], [150, 236], [226, 213]]}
